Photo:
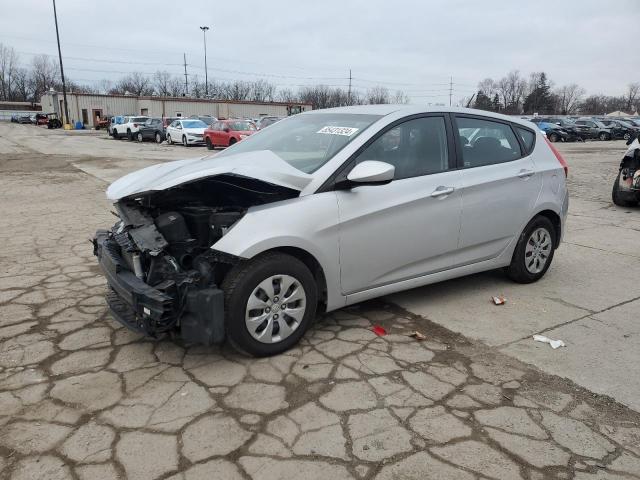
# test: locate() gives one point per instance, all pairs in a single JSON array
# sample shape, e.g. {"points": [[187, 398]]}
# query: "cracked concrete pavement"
{"points": [[81, 397]]}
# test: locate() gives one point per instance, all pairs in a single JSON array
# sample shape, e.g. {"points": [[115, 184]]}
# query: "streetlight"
{"points": [[206, 76]]}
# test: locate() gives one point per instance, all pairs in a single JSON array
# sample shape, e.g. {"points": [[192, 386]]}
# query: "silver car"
{"points": [[325, 209]]}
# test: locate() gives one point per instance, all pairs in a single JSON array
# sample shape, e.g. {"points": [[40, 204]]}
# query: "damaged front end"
{"points": [[163, 275]]}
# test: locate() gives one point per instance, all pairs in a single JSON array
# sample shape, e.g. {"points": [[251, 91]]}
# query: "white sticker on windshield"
{"points": [[345, 131]]}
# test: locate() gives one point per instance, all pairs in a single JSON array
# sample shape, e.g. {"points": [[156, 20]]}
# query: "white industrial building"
{"points": [[88, 107]]}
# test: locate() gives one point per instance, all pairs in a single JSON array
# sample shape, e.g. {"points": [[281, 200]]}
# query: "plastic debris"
{"points": [[418, 336], [554, 343], [378, 330], [499, 300]]}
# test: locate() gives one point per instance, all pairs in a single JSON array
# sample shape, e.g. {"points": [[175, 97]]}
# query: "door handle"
{"points": [[442, 190], [524, 173]]}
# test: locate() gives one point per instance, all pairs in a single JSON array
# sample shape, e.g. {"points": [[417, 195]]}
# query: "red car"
{"points": [[224, 133]]}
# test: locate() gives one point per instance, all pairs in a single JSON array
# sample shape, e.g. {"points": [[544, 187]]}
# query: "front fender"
{"points": [[309, 223]]}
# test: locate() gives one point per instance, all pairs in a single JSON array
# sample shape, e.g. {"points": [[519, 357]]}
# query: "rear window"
{"points": [[528, 138]]}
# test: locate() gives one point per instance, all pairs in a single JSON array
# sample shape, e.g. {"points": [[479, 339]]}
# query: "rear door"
{"points": [[500, 185], [408, 227]]}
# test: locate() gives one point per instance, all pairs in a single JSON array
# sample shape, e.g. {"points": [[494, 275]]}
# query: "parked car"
{"points": [[225, 133], [41, 119], [129, 127], [152, 129], [626, 186], [554, 132], [102, 122], [188, 132], [327, 209], [115, 120], [620, 128], [53, 121], [593, 129], [24, 118], [567, 125], [264, 122], [208, 119]]}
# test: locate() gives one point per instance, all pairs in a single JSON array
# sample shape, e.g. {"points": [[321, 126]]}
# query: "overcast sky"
{"points": [[414, 45]]}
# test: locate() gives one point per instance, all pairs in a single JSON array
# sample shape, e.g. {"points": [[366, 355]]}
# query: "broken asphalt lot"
{"points": [[81, 397]]}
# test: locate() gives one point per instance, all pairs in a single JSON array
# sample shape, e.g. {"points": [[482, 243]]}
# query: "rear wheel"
{"points": [[232, 141], [270, 301], [129, 135], [158, 137], [209, 144], [534, 251], [139, 136], [554, 137], [604, 136], [622, 199], [626, 136]]}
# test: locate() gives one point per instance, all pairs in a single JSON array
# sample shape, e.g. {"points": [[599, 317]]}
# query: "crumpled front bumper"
{"points": [[138, 306]]}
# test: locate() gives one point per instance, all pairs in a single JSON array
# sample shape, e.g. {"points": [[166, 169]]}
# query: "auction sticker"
{"points": [[345, 131]]}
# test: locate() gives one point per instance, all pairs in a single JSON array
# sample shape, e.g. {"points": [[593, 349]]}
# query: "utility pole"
{"points": [[206, 77], [186, 82], [64, 86], [349, 92], [450, 91]]}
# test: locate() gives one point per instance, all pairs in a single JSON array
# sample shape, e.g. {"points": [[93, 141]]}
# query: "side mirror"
{"points": [[371, 172]]}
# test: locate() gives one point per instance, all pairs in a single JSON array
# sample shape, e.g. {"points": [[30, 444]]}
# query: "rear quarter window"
{"points": [[528, 138]]}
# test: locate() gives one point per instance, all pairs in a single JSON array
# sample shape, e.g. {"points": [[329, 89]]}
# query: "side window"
{"points": [[174, 124], [528, 138], [485, 142], [416, 147]]}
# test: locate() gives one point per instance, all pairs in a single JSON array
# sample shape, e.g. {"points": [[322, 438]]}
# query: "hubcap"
{"points": [[275, 308], [537, 251]]}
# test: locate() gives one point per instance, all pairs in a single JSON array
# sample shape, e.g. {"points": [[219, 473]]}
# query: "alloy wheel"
{"points": [[537, 251], [275, 308]]}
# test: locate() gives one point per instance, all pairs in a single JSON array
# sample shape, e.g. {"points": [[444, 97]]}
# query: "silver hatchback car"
{"points": [[325, 209]]}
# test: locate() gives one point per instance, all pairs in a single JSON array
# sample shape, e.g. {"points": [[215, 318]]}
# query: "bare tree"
{"points": [[135, 83], [377, 95], [161, 83], [286, 95], [511, 90], [21, 85], [569, 97], [262, 91], [632, 96], [400, 98], [8, 65], [44, 75], [488, 87]]}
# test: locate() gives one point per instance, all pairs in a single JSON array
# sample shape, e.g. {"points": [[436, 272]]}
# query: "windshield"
{"points": [[194, 124], [241, 126], [306, 141]]}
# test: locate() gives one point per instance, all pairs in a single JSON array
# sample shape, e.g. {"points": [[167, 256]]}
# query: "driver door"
{"points": [[410, 226]]}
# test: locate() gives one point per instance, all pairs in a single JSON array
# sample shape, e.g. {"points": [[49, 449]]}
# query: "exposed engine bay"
{"points": [[163, 273]]}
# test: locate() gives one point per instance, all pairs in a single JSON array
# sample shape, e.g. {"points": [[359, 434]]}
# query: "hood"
{"points": [[262, 165], [199, 131]]}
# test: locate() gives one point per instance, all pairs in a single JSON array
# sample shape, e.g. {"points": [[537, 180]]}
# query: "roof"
{"points": [[387, 109]]}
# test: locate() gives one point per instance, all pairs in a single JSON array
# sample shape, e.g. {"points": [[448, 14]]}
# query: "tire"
{"points": [[232, 141], [169, 139], [115, 135], [619, 198], [139, 137], [209, 144], [554, 137], [129, 135], [243, 282], [626, 136], [604, 136], [184, 141], [529, 266], [158, 137]]}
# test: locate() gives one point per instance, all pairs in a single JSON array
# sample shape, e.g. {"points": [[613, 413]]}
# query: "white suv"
{"points": [[129, 127]]}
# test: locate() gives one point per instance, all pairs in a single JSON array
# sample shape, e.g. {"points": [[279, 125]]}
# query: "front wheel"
{"points": [[270, 301], [621, 198], [534, 251], [169, 141], [184, 141], [604, 136], [554, 137], [626, 136], [139, 137], [209, 144], [129, 135]]}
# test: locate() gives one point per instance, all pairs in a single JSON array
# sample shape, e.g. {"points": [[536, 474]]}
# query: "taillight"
{"points": [[559, 157]]}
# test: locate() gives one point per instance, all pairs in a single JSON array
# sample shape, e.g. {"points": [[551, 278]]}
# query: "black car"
{"points": [[620, 129], [151, 129], [593, 129], [558, 129]]}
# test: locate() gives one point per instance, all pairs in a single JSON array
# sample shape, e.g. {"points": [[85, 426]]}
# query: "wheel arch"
{"points": [[312, 264], [555, 220]]}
